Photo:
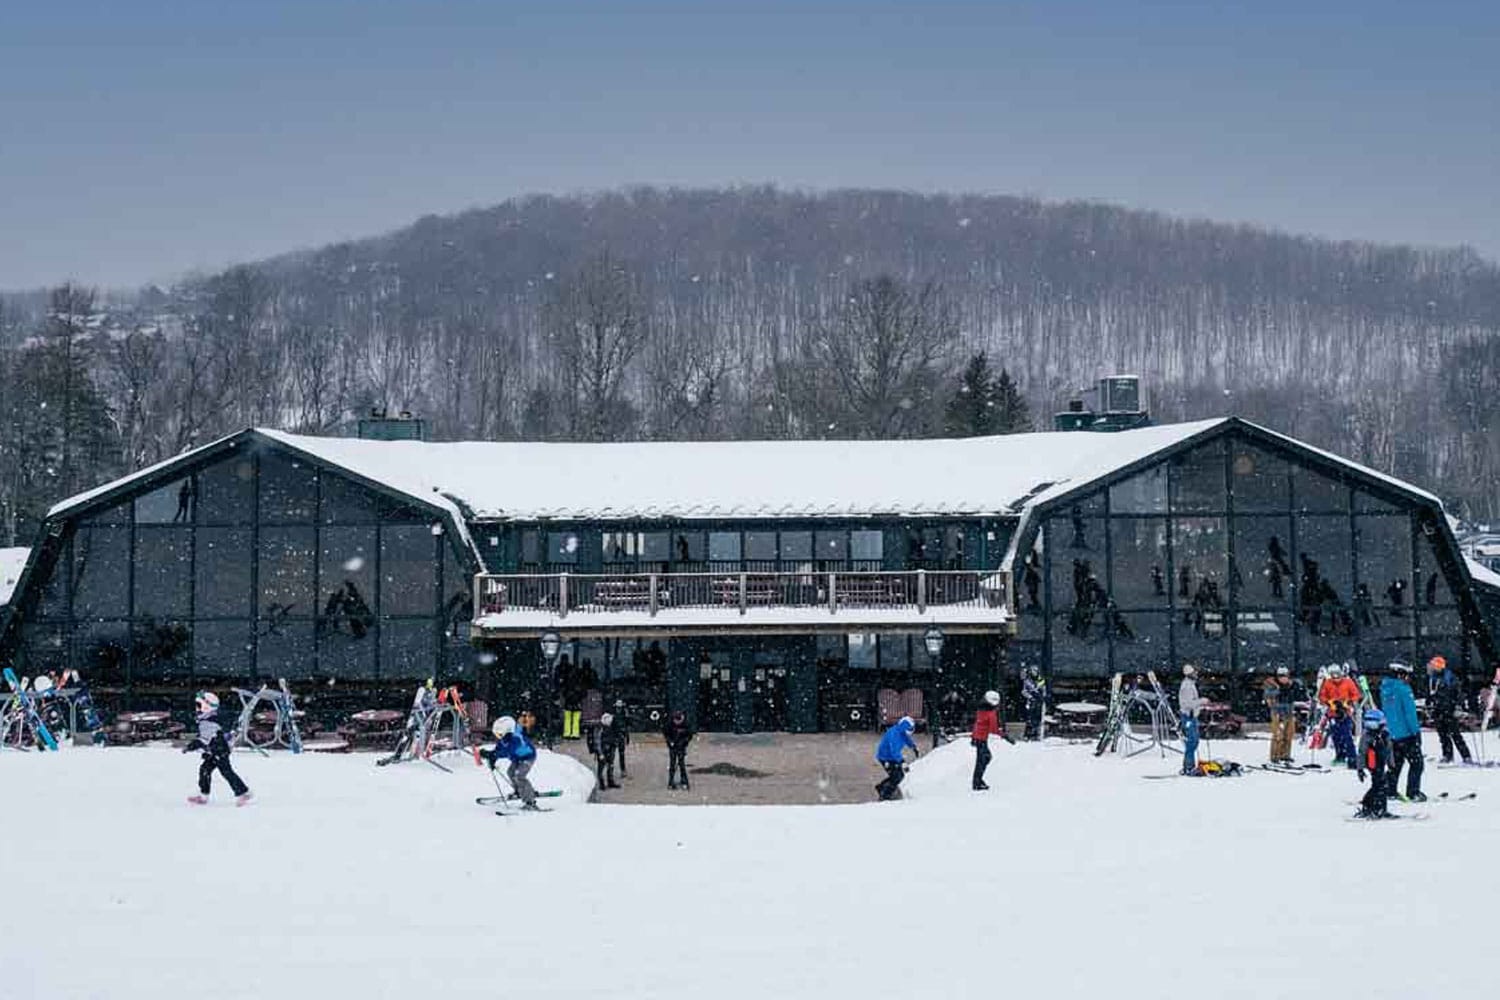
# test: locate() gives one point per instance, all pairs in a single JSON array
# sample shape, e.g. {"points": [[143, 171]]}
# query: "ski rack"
{"points": [[1158, 706], [284, 732], [432, 727]]}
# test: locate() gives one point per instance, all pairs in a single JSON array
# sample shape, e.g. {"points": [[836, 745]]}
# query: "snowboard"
{"points": [[38, 727]]}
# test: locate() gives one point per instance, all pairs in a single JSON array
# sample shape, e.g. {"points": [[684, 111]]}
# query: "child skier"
{"points": [[986, 724], [1374, 757], [604, 741], [215, 747], [679, 734], [891, 756], [1340, 697], [512, 745]]}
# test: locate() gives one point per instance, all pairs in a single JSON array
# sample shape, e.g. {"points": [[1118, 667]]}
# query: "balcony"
{"points": [[626, 603]]}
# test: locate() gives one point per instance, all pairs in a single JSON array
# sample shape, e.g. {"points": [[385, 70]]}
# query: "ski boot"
{"points": [[198, 800], [243, 799], [1415, 797]]}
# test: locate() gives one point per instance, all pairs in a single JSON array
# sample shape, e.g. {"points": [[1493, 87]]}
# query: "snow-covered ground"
{"points": [[1072, 877]]}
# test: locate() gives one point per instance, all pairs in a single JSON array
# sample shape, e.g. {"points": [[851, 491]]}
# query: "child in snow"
{"points": [[891, 756], [1401, 722], [604, 741], [1188, 706], [512, 745], [1339, 696], [679, 734], [986, 724], [215, 747], [1374, 757]]}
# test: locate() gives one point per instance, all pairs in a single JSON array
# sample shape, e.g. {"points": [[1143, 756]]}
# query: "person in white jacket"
{"points": [[1188, 706]]}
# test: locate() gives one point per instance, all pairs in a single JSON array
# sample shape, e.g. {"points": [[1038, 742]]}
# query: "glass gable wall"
{"points": [[1237, 559], [259, 566]]}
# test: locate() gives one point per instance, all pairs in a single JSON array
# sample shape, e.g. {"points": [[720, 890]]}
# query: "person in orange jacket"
{"points": [[986, 724], [1340, 697]]}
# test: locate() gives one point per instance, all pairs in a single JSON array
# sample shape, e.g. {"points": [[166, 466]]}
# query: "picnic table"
{"points": [[758, 590], [141, 727], [871, 590], [372, 727], [629, 593], [1079, 718]]}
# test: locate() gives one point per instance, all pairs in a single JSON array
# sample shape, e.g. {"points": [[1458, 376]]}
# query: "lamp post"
{"points": [[551, 646], [933, 640]]}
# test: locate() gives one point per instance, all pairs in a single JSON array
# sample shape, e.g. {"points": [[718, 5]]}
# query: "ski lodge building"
{"points": [[756, 585]]}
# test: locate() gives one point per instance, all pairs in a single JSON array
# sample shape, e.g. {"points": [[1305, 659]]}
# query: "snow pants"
{"points": [[605, 771], [982, 757], [572, 719], [516, 775], [1451, 737], [1341, 731], [1283, 729], [1034, 710], [1407, 751], [1189, 744], [219, 762], [895, 770], [676, 765], [621, 751], [1375, 798]]}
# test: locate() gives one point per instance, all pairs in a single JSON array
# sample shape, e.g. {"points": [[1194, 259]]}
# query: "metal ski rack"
{"points": [[284, 731], [1163, 719]]}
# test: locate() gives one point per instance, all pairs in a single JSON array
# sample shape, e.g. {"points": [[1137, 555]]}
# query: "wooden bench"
{"points": [[629, 593], [757, 591], [878, 591]]}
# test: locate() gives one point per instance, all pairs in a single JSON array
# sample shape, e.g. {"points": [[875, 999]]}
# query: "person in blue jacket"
{"points": [[1400, 708], [891, 755], [511, 744]]}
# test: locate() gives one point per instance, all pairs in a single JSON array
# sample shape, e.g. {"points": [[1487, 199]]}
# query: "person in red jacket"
{"points": [[986, 724]]}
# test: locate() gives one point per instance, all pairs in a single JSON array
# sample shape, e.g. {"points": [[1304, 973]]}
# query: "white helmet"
{"points": [[1334, 670], [41, 685], [1188, 670], [606, 719], [206, 702], [992, 697], [504, 726], [906, 721]]}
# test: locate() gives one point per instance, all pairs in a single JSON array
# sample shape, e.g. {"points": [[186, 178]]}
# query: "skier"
{"points": [[891, 756], [1374, 757], [604, 740], [1447, 691], [986, 724], [679, 734], [513, 746], [1280, 698], [1340, 697], [1034, 697], [1406, 731], [1188, 706], [215, 747]]}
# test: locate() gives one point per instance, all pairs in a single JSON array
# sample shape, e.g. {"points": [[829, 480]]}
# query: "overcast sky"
{"points": [[140, 139]]}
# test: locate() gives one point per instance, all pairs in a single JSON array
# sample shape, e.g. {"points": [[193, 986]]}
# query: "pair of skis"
{"points": [[29, 714], [1113, 719], [510, 796]]}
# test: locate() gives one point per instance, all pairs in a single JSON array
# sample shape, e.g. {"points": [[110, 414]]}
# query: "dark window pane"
{"points": [[760, 545], [831, 546], [895, 653], [1385, 631], [1441, 621], [1143, 493], [286, 574], [288, 489], [1198, 479], [1321, 648], [343, 654], [408, 649], [1080, 643], [43, 649], [1265, 640], [226, 492], [54, 595], [346, 578], [796, 546], [1370, 502], [1201, 634], [955, 546], [1200, 556], [101, 572], [867, 545], [285, 649], [118, 513], [1260, 479], [1140, 640], [1384, 558], [1139, 550], [724, 546], [531, 547], [1078, 581], [1263, 558], [1318, 493], [163, 571], [1323, 558], [689, 546], [458, 599], [861, 650], [562, 546], [223, 584], [172, 504], [1433, 583], [162, 649], [1074, 534], [100, 650], [619, 547], [408, 570], [1091, 505], [656, 546], [222, 649], [345, 501]]}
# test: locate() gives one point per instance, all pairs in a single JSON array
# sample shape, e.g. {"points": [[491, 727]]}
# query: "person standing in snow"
{"points": [[215, 747], [1446, 691], [678, 734], [1280, 698], [570, 689], [1189, 704], [1374, 758], [622, 729], [512, 745], [1340, 697], [1034, 699], [604, 741], [891, 755], [1401, 721], [986, 724]]}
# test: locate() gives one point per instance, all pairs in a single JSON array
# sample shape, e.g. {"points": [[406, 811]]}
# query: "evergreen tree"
{"points": [[1011, 413], [971, 410]]}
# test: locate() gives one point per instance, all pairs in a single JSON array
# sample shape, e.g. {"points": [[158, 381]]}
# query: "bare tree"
{"points": [[596, 328]]}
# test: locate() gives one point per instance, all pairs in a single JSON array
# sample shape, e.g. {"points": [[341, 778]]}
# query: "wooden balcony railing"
{"points": [[562, 594]]}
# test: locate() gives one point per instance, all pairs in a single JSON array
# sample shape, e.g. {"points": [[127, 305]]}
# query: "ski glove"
{"points": [[1361, 776]]}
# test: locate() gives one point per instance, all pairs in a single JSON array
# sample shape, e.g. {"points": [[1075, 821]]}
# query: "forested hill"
{"points": [[755, 312]]}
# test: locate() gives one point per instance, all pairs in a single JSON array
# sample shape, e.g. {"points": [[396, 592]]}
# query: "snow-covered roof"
{"points": [[1482, 573], [742, 479], [12, 562]]}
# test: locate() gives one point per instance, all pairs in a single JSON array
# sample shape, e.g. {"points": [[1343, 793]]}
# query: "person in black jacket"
{"points": [[622, 729], [604, 741], [1447, 692], [679, 734]]}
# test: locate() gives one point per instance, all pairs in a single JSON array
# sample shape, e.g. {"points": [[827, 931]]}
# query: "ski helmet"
{"points": [[1400, 668], [992, 697], [1188, 670], [504, 726], [41, 685], [206, 701], [1438, 663], [606, 719], [1334, 670], [1283, 672], [906, 722], [1374, 718]]}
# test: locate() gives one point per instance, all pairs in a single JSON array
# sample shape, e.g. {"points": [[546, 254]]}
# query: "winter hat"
{"points": [[606, 719], [1188, 670], [1438, 663], [1283, 672], [1399, 667], [992, 697], [41, 685], [1374, 718]]}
